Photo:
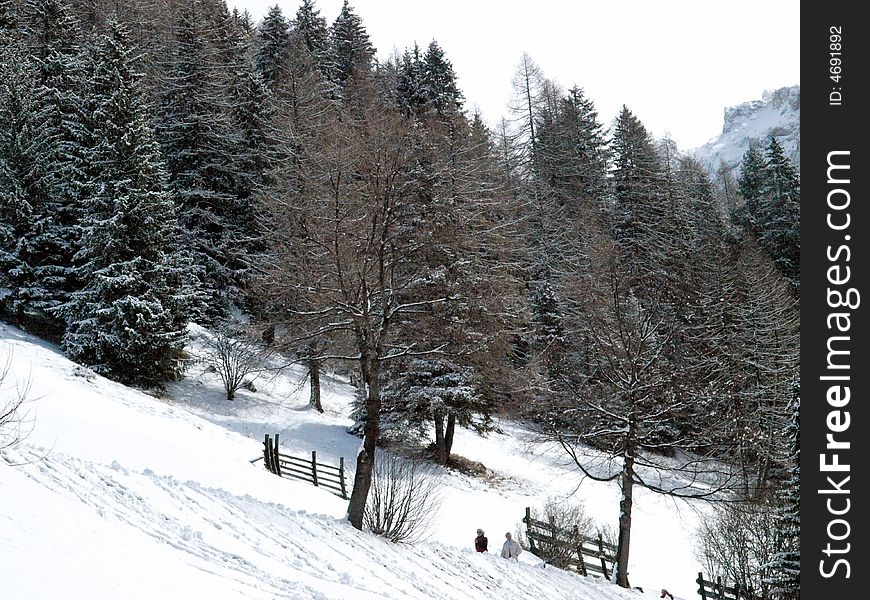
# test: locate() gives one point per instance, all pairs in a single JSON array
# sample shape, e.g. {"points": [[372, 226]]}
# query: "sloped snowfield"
{"points": [[117, 494]]}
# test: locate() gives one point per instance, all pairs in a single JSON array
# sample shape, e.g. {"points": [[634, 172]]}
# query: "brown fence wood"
{"points": [[331, 477], [593, 554], [716, 590]]}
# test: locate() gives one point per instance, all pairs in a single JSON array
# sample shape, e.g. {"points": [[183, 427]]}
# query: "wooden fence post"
{"points": [[528, 521], [267, 453], [275, 457], [579, 542], [721, 590], [341, 477], [314, 466], [751, 595], [701, 589], [601, 555]]}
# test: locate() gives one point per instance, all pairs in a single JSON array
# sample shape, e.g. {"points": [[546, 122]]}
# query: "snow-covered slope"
{"points": [[777, 114], [116, 494]]}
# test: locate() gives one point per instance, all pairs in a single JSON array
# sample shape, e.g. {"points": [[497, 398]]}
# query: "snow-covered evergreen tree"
{"points": [[199, 143], [423, 392], [128, 321], [310, 28], [52, 34], [350, 49], [25, 185], [439, 82], [786, 565], [274, 46], [749, 186], [780, 235]]}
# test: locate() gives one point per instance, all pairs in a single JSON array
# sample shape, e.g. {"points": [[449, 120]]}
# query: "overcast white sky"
{"points": [[675, 63]]}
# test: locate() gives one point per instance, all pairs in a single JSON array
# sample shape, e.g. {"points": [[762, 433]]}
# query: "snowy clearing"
{"points": [[117, 494]]}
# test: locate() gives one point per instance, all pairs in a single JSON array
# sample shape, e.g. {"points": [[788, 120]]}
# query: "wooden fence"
{"points": [[588, 555], [307, 469], [709, 590]]}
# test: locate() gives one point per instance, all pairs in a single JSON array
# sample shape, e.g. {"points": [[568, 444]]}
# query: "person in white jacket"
{"points": [[510, 549]]}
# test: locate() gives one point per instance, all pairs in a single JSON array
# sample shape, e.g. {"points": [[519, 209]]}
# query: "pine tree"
{"points": [[749, 186], [25, 181], [199, 142], [786, 565], [274, 46], [410, 93], [439, 82], [52, 36], [780, 191], [425, 391], [350, 50], [573, 155], [638, 193], [128, 321], [8, 18], [311, 30]]}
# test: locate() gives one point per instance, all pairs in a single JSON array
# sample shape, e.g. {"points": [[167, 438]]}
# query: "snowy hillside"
{"points": [[777, 114], [117, 494]]}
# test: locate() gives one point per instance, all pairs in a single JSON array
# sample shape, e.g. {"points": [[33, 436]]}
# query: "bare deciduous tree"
{"points": [[572, 522], [739, 543], [371, 243], [14, 422], [234, 356], [404, 498]]}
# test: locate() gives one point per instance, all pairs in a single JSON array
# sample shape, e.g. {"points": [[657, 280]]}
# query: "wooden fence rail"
{"points": [[715, 590], [588, 555], [306, 469]]}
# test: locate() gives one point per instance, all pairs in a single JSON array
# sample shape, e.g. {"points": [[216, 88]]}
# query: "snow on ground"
{"points": [[117, 494]]}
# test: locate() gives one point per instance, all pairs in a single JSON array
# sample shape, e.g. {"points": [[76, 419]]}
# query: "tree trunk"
{"points": [[625, 504], [440, 447], [365, 460], [448, 436], [314, 378], [231, 394]]}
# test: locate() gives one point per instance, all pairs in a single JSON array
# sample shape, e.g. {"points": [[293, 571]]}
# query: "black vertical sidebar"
{"points": [[835, 369]]}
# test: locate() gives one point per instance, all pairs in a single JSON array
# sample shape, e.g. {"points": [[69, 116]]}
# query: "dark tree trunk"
{"points": [[448, 435], [365, 460], [625, 504], [231, 394], [440, 447], [314, 378]]}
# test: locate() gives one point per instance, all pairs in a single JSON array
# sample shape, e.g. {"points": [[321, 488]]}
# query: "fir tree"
{"points": [[786, 564], [749, 186], [780, 191], [410, 93], [128, 322], [52, 33], [199, 140], [439, 82], [311, 30], [274, 46], [25, 182], [422, 391], [350, 50]]}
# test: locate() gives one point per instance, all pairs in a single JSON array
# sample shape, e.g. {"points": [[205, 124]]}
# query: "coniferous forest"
{"points": [[171, 161]]}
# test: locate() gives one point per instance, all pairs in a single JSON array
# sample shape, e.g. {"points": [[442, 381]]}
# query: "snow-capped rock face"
{"points": [[776, 114]]}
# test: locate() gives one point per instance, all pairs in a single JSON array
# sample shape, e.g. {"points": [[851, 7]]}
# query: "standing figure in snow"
{"points": [[510, 549], [480, 542], [667, 594]]}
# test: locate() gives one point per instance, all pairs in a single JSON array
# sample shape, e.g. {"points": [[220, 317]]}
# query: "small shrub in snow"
{"points": [[572, 523], [404, 498], [234, 357], [13, 424]]}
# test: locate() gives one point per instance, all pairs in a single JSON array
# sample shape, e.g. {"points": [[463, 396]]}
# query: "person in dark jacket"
{"points": [[480, 541]]}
